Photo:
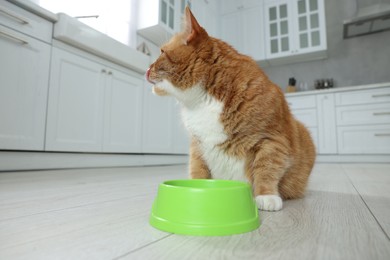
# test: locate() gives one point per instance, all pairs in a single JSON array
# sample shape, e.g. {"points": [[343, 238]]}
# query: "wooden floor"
{"points": [[103, 214]]}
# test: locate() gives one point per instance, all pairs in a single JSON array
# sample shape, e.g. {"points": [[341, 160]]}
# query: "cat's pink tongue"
{"points": [[147, 76]]}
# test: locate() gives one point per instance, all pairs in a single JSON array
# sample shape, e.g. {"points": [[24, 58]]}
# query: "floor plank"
{"points": [[28, 193], [373, 184], [98, 231]]}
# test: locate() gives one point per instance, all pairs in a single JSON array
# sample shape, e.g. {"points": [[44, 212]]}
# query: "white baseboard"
{"points": [[353, 158], [12, 161]]}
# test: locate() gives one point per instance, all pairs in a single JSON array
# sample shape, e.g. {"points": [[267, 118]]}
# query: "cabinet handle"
{"points": [[14, 38], [381, 113], [381, 95], [14, 16], [382, 135]]}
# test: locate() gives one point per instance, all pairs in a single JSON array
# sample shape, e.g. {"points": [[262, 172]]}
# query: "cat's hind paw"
{"points": [[269, 202]]}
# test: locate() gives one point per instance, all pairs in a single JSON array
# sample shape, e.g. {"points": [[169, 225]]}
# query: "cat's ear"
{"points": [[192, 27]]}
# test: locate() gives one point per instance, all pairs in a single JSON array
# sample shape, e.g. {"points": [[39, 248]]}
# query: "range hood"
{"points": [[369, 18]]}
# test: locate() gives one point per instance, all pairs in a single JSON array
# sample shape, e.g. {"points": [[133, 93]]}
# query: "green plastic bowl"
{"points": [[204, 207]]}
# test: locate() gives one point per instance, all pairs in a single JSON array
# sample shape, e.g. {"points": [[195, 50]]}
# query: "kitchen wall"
{"points": [[355, 61]]}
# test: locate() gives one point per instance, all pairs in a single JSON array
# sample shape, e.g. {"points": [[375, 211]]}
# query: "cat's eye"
{"points": [[161, 51]]}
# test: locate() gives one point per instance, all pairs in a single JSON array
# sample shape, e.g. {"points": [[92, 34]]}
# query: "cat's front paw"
{"points": [[269, 202]]}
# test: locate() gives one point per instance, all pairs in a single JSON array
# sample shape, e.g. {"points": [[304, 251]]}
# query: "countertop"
{"points": [[339, 89], [35, 9], [73, 32]]}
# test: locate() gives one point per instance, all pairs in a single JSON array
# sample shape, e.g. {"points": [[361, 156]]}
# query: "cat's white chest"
{"points": [[203, 121]]}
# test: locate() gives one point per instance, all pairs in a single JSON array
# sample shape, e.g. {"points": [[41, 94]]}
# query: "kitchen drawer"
{"points": [[25, 22], [307, 116], [364, 139], [363, 114], [301, 102], [373, 96]]}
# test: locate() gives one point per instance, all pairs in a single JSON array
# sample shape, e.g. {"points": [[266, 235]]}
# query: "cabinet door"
{"points": [[295, 30], [327, 136], [168, 10], [158, 123], [205, 12], [230, 6], [76, 103], [181, 141], [278, 27], [231, 30], [309, 25], [123, 113], [253, 33], [237, 29], [24, 76]]}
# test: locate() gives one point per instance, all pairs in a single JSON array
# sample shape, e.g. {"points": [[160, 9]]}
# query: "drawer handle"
{"points": [[381, 113], [14, 16], [382, 135], [14, 38], [381, 95]]}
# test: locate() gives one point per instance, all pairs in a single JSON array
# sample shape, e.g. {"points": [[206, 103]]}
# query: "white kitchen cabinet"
{"points": [[364, 139], [23, 21], [205, 13], [317, 113], [76, 104], [243, 29], [123, 113], [92, 107], [157, 123], [181, 140], [295, 30], [327, 137], [347, 124], [24, 80], [304, 109], [163, 131], [363, 120], [230, 6], [230, 29], [158, 20]]}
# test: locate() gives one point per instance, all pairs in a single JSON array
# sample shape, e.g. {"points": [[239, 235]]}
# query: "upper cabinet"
{"points": [[205, 13], [275, 32], [294, 30], [158, 20], [242, 27]]}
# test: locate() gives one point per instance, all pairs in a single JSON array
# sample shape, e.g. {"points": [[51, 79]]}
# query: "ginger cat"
{"points": [[239, 121]]}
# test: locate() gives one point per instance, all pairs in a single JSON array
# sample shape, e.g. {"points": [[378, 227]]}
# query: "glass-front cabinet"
{"points": [[168, 13], [278, 31], [294, 27], [308, 24], [158, 20]]}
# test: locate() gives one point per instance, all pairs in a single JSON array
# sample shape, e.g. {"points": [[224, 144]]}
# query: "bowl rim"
{"points": [[234, 185]]}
